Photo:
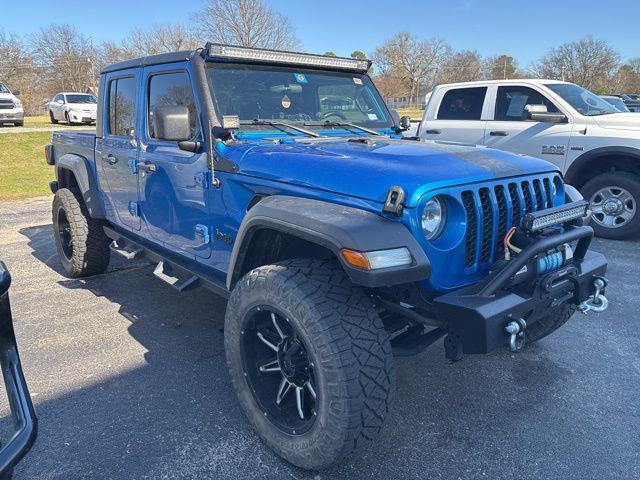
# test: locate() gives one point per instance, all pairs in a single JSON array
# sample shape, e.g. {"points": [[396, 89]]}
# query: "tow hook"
{"points": [[515, 329], [596, 302]]}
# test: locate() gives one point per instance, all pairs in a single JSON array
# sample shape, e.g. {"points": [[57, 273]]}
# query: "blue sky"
{"points": [[524, 30]]}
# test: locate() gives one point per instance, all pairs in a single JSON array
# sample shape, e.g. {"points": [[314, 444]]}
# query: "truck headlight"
{"points": [[433, 218], [18, 103]]}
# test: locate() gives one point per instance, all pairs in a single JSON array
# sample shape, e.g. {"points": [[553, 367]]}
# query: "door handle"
{"points": [[147, 167], [499, 133], [110, 159], [433, 132]]}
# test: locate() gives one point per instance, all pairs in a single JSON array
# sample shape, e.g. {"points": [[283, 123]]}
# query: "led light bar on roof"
{"points": [[537, 221], [289, 58]]}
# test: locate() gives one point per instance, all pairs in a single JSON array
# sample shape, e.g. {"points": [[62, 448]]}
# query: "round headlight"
{"points": [[433, 217]]}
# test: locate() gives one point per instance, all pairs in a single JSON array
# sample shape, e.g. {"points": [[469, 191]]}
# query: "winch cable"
{"points": [[508, 246]]}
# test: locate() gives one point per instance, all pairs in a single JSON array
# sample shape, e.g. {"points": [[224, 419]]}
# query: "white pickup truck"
{"points": [[11, 110], [596, 146]]}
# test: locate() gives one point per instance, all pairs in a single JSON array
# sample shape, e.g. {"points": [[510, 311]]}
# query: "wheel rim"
{"points": [[64, 234], [613, 207], [279, 370]]}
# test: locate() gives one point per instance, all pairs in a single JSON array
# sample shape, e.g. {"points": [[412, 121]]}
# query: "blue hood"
{"points": [[367, 169]]}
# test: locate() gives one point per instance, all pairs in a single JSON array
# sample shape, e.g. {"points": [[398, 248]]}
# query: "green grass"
{"points": [[23, 170], [37, 121], [414, 113]]}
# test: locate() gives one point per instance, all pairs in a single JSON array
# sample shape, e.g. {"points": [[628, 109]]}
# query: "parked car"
{"points": [[633, 104], [20, 404], [616, 102], [11, 110], [336, 241], [73, 108], [596, 146]]}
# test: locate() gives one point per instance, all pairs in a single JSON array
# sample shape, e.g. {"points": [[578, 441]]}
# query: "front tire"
{"points": [[82, 245], [346, 357], [52, 118], [614, 198]]}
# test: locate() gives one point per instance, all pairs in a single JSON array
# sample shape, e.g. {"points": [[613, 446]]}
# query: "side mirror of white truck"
{"points": [[539, 113]]}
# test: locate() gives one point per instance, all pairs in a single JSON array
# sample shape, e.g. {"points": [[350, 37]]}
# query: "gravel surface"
{"points": [[130, 382]]}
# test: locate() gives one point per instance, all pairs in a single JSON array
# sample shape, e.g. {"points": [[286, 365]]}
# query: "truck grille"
{"points": [[491, 211], [6, 104]]}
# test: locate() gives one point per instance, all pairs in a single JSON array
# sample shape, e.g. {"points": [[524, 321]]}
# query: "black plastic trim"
{"points": [[573, 172]]}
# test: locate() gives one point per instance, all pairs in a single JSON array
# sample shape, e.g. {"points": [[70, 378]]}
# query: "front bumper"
{"points": [[82, 117], [477, 315], [22, 411], [9, 116]]}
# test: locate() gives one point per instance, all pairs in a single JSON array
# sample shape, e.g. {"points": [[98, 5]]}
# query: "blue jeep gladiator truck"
{"points": [[281, 181]]}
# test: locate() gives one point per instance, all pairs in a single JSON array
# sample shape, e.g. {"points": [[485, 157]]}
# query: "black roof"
{"points": [[150, 60]]}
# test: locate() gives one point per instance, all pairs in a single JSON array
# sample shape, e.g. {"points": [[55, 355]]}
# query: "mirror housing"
{"points": [[171, 123], [539, 113], [16, 92], [60, 101], [405, 122]]}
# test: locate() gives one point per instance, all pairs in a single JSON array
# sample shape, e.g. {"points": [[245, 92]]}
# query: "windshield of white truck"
{"points": [[3, 88], [81, 99], [584, 101], [266, 97]]}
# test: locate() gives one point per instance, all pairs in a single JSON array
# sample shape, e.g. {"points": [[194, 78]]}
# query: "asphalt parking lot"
{"points": [[129, 381]]}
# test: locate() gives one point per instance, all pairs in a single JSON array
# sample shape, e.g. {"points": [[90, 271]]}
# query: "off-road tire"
{"points": [[348, 343], [52, 118], [631, 183], [550, 323], [90, 244]]}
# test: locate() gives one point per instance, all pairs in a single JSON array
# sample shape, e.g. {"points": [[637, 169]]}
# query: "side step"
{"points": [[127, 251], [165, 273]]}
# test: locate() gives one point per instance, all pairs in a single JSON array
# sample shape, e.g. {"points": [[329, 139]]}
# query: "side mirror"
{"points": [[405, 123], [60, 101], [16, 92], [171, 123], [5, 279], [539, 113]]}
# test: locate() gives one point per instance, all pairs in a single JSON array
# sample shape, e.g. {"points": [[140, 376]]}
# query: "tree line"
{"points": [[61, 58]]}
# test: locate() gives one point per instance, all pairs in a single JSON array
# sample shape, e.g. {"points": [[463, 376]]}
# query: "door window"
{"points": [[510, 102], [171, 90], [462, 104], [122, 104]]}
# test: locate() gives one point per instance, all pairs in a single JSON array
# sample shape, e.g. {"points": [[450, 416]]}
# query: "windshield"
{"points": [[3, 88], [584, 101], [81, 99], [314, 99], [616, 102]]}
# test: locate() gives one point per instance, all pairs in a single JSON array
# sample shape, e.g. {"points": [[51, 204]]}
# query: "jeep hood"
{"points": [[619, 121], [368, 167]]}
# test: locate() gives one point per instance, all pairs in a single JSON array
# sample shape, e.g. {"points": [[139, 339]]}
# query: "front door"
{"points": [[173, 182], [117, 150], [510, 131]]}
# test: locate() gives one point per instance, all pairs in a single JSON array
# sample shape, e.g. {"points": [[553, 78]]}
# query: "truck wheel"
{"points": [[81, 243], [550, 323], [614, 198], [309, 359], [52, 118]]}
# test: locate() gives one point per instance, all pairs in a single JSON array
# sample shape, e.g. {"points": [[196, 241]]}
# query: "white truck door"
{"points": [[508, 130], [457, 117]]}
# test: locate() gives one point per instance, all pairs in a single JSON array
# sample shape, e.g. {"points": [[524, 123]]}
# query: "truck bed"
{"points": [[79, 142]]}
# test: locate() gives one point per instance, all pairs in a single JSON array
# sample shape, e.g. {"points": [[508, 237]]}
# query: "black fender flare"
{"points": [[79, 167], [334, 227], [573, 172]]}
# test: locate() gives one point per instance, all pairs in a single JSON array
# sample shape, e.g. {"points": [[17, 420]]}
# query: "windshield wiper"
{"points": [[342, 124], [279, 124]]}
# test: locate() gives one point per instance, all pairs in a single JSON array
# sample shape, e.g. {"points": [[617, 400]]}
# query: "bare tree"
{"points": [[627, 78], [416, 62], [501, 67], [249, 23], [588, 62], [17, 69], [160, 39], [462, 66]]}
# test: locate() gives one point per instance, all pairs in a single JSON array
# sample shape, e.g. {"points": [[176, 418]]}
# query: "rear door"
{"points": [[507, 129], [459, 116], [173, 182], [117, 150]]}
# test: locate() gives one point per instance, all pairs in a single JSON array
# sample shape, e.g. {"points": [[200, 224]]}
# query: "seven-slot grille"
{"points": [[6, 104], [491, 211]]}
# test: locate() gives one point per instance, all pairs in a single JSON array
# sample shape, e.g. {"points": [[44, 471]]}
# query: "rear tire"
{"points": [[549, 324], [82, 245], [52, 118], [348, 353], [621, 192]]}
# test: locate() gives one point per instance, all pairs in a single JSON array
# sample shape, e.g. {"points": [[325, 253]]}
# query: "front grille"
{"points": [[490, 216], [7, 104]]}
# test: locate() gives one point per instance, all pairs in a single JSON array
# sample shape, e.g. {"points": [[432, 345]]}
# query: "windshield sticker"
{"points": [[300, 77], [286, 102], [357, 81], [372, 116]]}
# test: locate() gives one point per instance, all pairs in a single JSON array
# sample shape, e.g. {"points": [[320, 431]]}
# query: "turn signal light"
{"points": [[378, 259]]}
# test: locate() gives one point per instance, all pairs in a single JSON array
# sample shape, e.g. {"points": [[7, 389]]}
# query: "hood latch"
{"points": [[394, 204]]}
